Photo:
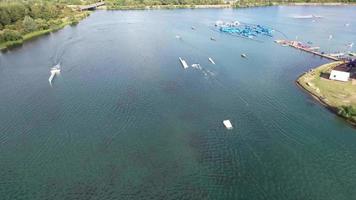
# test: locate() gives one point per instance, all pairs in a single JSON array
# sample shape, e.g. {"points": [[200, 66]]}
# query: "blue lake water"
{"points": [[123, 120]]}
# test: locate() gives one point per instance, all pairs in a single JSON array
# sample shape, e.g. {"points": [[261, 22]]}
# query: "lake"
{"points": [[124, 120]]}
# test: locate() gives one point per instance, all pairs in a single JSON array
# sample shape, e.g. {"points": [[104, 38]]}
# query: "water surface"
{"points": [[125, 121]]}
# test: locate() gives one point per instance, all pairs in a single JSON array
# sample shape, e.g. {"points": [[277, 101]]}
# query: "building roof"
{"points": [[342, 67]]}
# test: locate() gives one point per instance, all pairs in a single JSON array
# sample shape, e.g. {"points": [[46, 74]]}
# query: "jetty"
{"points": [[184, 63], [307, 48], [91, 6]]}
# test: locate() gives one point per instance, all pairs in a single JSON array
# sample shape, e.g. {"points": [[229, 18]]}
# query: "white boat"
{"points": [[314, 48], [337, 55], [184, 63], [244, 55], [212, 61], [307, 16], [227, 124], [303, 16], [54, 71]]}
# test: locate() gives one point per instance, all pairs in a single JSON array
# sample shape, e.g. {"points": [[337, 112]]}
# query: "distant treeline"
{"points": [[118, 3], [19, 18], [238, 3]]}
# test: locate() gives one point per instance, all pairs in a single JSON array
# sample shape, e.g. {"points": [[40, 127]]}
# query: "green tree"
{"points": [[11, 35], [29, 25], [4, 16]]}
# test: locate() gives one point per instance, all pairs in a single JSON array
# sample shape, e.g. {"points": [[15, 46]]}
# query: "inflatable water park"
{"points": [[237, 28]]}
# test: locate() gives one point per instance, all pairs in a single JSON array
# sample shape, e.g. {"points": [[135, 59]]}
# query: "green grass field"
{"points": [[336, 94]]}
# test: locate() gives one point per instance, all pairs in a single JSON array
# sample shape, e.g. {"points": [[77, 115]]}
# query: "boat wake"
{"points": [[207, 73]]}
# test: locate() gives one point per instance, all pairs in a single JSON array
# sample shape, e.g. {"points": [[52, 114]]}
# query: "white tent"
{"points": [[339, 75]]}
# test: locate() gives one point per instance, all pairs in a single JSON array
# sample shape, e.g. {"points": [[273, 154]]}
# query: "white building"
{"points": [[339, 75]]}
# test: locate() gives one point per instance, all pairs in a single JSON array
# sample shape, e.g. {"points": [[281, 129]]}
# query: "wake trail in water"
{"points": [[63, 48], [211, 74]]}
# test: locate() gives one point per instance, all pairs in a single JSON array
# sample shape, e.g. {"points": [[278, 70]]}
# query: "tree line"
{"points": [[18, 18], [237, 3]]}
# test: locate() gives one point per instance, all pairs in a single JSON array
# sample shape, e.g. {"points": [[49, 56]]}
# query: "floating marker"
{"points": [[228, 124]]}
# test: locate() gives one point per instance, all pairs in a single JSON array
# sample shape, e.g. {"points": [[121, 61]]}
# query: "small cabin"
{"points": [[339, 75], [343, 72]]}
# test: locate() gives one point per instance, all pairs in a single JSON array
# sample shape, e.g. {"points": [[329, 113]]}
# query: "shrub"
{"points": [[11, 35], [347, 111], [41, 24], [29, 25]]}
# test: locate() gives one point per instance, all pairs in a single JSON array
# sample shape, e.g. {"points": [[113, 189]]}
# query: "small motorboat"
{"points": [[243, 55], [213, 39], [193, 28], [54, 71]]}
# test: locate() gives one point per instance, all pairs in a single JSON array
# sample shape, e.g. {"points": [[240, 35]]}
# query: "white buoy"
{"points": [[330, 37], [227, 124]]}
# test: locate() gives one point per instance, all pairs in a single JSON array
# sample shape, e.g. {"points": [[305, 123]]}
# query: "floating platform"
{"points": [[212, 61], [228, 124], [184, 63], [306, 48]]}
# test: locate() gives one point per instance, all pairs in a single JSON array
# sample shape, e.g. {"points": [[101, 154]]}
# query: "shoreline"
{"points": [[10, 44], [319, 98], [33, 35], [218, 6]]}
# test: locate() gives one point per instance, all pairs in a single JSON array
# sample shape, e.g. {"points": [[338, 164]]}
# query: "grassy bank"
{"points": [[35, 34], [339, 97]]}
